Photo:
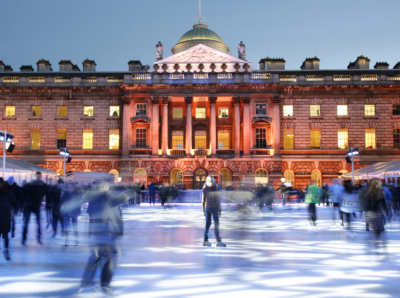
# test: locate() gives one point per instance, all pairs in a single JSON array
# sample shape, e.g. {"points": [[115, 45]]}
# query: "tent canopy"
{"points": [[376, 170], [21, 166]]}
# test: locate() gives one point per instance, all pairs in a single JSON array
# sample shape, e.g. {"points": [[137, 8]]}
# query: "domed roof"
{"points": [[200, 34]]}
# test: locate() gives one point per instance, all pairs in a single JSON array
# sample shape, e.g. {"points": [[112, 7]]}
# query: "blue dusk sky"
{"points": [[114, 32]]}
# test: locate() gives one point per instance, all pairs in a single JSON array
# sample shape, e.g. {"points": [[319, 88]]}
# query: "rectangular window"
{"points": [[200, 139], [200, 112], [396, 110], [141, 109], [223, 139], [288, 139], [315, 139], [10, 111], [62, 111], [261, 109], [177, 113], [88, 111], [370, 139], [342, 110], [177, 140], [35, 139], [114, 111], [288, 111], [315, 110], [141, 138], [396, 138], [261, 138], [36, 111], [343, 138], [369, 110], [87, 139], [223, 113], [113, 138], [61, 138]]}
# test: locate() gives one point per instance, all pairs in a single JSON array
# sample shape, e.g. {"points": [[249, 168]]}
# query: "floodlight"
{"points": [[10, 148]]}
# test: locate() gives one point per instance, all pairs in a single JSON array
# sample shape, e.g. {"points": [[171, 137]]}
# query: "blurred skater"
{"points": [[335, 195], [70, 209], [313, 196], [16, 190], [152, 193]]}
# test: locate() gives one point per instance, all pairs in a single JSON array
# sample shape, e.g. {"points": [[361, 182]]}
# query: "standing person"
{"points": [[313, 196], [212, 209], [49, 209], [335, 196], [16, 190], [55, 193], [136, 195], [152, 193], [362, 202], [283, 190], [349, 202], [34, 192], [70, 209], [270, 194], [7, 199]]}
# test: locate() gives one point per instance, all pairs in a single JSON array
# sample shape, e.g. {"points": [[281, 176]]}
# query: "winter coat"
{"points": [[335, 193], [314, 194], [210, 198], [152, 189], [34, 192], [55, 196], [16, 190], [362, 199], [349, 203], [71, 203], [7, 199]]}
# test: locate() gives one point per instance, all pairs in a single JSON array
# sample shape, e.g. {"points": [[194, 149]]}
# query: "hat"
{"points": [[11, 180]]}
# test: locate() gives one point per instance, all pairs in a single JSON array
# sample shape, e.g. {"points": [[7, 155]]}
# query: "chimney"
{"points": [[272, 64], [361, 63], [2, 66], [397, 66], [89, 65], [310, 64], [135, 65], [43, 66], [381, 65], [26, 68], [65, 65]]}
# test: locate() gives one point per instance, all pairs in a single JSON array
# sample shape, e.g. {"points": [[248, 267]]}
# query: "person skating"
{"points": [[335, 196], [17, 193], [152, 193], [55, 193], [212, 209], [70, 209], [283, 190], [313, 196]]}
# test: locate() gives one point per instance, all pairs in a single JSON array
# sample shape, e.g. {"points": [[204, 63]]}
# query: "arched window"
{"points": [[140, 176], [199, 178], [316, 177], [87, 170], [115, 172], [261, 176], [61, 172], [225, 178], [289, 177], [343, 172], [176, 178]]}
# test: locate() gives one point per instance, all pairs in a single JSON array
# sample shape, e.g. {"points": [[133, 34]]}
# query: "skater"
{"points": [[362, 202], [152, 193], [313, 196], [335, 196], [269, 196], [211, 209], [7, 199], [349, 203], [17, 194], [70, 209], [283, 190], [55, 194]]}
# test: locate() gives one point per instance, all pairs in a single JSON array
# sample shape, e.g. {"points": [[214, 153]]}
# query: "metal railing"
{"points": [[315, 78], [341, 78], [260, 76], [62, 80], [37, 80], [371, 77], [12, 80], [89, 79], [141, 76], [288, 78]]}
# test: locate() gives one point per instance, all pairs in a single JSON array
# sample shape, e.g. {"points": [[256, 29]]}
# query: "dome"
{"points": [[200, 34]]}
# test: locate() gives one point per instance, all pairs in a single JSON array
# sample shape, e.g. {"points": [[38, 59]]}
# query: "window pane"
{"points": [[288, 139], [88, 111], [342, 110], [200, 112], [36, 111], [287, 110], [370, 139], [223, 139], [343, 136], [316, 176], [62, 111], [141, 109], [140, 176], [35, 139], [261, 176], [315, 110], [396, 110], [261, 109], [113, 139], [223, 113], [177, 113], [369, 110], [141, 137], [177, 140], [289, 176], [315, 139], [87, 139], [61, 138], [396, 138], [10, 111], [261, 138], [114, 111], [200, 139], [176, 177]]}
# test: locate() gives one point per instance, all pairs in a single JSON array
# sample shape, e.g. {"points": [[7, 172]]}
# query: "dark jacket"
{"points": [[211, 197], [34, 192], [55, 196], [71, 203], [152, 189], [16, 190], [7, 199], [362, 199], [377, 204]]}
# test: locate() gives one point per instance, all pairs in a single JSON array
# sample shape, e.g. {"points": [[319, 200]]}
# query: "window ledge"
{"points": [[370, 117], [396, 117], [343, 117], [316, 117], [10, 118], [289, 117], [87, 118], [113, 117], [35, 118], [61, 118]]}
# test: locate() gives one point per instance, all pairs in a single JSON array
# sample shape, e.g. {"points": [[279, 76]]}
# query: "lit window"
{"points": [[177, 140], [36, 111], [396, 138], [223, 113], [113, 139], [200, 139], [140, 176], [369, 110], [288, 139], [261, 176], [141, 109], [225, 178], [141, 138], [343, 138], [370, 139], [88, 111], [261, 109], [177, 113], [396, 110], [316, 177], [288, 110], [315, 110], [62, 111], [223, 139], [200, 112], [289, 176], [61, 138], [87, 139], [114, 111], [115, 173], [35, 139], [315, 139], [10, 111], [261, 138], [342, 110], [176, 177]]}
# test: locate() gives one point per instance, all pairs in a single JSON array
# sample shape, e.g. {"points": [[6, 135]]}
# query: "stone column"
{"points": [[246, 125], [236, 101], [126, 125], [155, 125], [189, 100], [165, 102], [213, 126], [276, 126]]}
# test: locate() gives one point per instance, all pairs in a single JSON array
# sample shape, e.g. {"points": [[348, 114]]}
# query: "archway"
{"points": [[176, 178], [199, 178], [316, 177], [115, 172], [261, 176], [225, 178], [140, 176], [289, 177]]}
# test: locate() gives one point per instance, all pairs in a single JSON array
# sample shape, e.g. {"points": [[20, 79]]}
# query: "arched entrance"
{"points": [[225, 178], [140, 176], [199, 178], [261, 176], [176, 177]]}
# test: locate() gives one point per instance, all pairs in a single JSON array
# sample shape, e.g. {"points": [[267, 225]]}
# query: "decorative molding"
{"points": [[188, 100], [113, 102], [9, 102], [8, 125], [126, 100], [35, 125], [276, 99], [61, 102], [87, 125], [88, 102], [395, 101], [289, 101], [113, 125], [35, 102], [370, 125], [315, 101], [343, 125], [155, 99], [370, 101], [342, 101], [246, 99], [316, 125], [395, 125], [287, 125], [236, 99], [212, 99], [61, 125], [165, 100]]}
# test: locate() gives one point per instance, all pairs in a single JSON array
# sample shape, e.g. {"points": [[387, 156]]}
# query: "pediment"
{"points": [[261, 120], [140, 119]]}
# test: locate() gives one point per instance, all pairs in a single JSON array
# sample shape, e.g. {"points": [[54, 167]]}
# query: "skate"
{"points": [[6, 255], [220, 244], [206, 242]]}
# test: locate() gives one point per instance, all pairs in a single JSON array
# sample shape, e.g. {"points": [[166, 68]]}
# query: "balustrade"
{"points": [[37, 80], [260, 76]]}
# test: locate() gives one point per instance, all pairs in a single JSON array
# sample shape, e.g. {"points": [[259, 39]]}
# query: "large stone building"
{"points": [[204, 112]]}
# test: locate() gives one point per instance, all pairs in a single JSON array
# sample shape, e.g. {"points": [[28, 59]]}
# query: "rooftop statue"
{"points": [[159, 51], [242, 51]]}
